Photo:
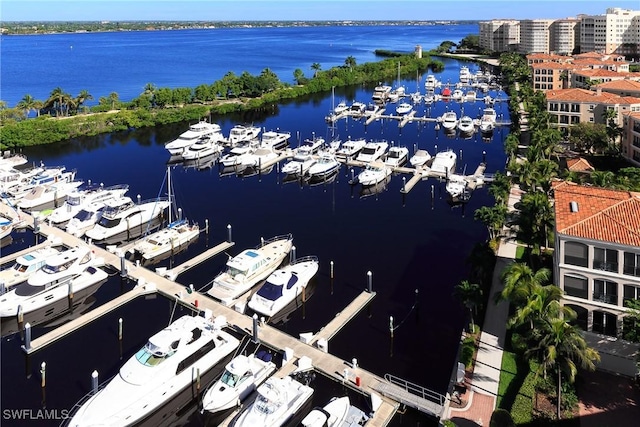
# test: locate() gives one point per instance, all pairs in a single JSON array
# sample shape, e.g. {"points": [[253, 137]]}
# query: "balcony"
{"points": [[631, 270], [605, 298], [605, 266]]}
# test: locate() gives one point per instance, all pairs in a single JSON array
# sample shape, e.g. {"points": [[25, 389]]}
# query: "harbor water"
{"points": [[415, 245]]}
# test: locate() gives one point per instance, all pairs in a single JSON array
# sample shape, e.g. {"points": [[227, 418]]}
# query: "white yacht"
{"points": [[419, 158], [277, 401], [465, 125], [123, 219], [172, 238], [283, 286], [488, 120], [192, 135], [337, 413], [381, 92], [357, 108], [351, 148], [238, 152], [470, 96], [25, 265], [396, 156], [431, 83], [83, 197], [404, 108], [301, 161], [449, 120], [340, 108], [240, 378], [241, 133], [12, 160], [456, 186], [372, 151], [326, 165], [12, 177], [457, 95], [257, 158], [72, 271], [373, 110], [247, 269], [465, 75], [201, 149], [6, 226], [45, 176], [85, 219], [47, 196], [373, 173], [274, 140], [162, 369], [444, 162]]}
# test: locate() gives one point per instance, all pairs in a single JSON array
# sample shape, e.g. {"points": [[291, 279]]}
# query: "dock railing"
{"points": [[417, 390]]}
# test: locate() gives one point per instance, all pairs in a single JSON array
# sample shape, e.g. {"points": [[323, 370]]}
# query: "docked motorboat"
{"points": [[159, 371], [372, 151], [373, 173], [274, 140], [241, 376], [381, 92], [44, 176], [314, 144], [6, 227], [12, 160], [242, 133], [465, 75], [457, 95], [201, 149], [449, 120], [456, 186], [396, 156], [431, 83], [351, 148], [238, 152], [488, 120], [404, 108], [444, 162], [301, 161], [249, 268], [47, 196], [84, 197], [192, 135], [373, 110], [340, 108], [25, 265], [257, 158], [85, 219], [69, 273], [357, 108], [283, 286], [12, 177], [465, 125], [470, 96], [326, 165], [123, 219], [277, 401], [419, 158], [337, 413]]}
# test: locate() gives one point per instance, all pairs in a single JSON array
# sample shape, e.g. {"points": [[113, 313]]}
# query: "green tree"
{"points": [[27, 104], [82, 97], [614, 132], [533, 221], [493, 217], [520, 282], [316, 67], [298, 76], [350, 62], [631, 321], [59, 101], [470, 295]]}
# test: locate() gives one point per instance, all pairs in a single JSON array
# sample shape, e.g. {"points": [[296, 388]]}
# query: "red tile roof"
{"points": [[579, 164], [603, 214], [631, 85]]}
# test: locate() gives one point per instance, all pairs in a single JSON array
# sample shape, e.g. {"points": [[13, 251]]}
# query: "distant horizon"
{"points": [[298, 10]]}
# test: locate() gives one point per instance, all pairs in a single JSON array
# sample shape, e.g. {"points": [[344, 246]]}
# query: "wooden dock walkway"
{"points": [[198, 259], [14, 256], [341, 319]]}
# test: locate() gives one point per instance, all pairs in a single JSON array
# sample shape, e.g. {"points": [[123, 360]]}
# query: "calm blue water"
{"points": [[412, 242], [124, 63]]}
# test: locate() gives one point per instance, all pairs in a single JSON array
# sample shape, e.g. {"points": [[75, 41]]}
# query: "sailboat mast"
{"points": [[169, 192]]}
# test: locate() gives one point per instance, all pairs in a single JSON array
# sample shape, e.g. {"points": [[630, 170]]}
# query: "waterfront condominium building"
{"points": [[499, 35], [564, 36], [534, 35], [617, 31], [630, 145], [597, 253]]}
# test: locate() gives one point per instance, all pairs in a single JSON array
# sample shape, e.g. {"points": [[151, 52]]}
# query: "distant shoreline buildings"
{"points": [[615, 32]]}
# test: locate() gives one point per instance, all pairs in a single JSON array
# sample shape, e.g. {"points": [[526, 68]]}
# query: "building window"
{"points": [[631, 292], [631, 264], [576, 254], [576, 287], [605, 259], [605, 291]]}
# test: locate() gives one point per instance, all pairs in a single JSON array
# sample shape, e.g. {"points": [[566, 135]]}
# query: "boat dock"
{"points": [[14, 256], [179, 269]]}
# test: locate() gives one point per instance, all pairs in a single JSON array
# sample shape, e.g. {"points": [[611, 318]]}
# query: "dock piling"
{"points": [[120, 329], [2, 288], [206, 225], [255, 329], [391, 326], [43, 373], [404, 182], [369, 281], [94, 382], [27, 336], [484, 156], [292, 255], [123, 267], [331, 270], [229, 233]]}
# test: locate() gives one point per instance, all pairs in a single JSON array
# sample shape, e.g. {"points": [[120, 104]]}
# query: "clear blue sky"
{"points": [[219, 10]]}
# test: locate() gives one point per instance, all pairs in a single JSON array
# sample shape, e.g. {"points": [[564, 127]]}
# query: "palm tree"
{"points": [[614, 132], [58, 101], [350, 62], [316, 67], [149, 89], [27, 104], [520, 282], [561, 348], [470, 295], [543, 303], [113, 100], [83, 97]]}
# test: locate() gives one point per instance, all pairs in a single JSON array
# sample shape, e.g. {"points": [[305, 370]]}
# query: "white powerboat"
{"points": [[488, 120], [470, 96], [25, 265], [326, 165], [340, 108], [12, 177], [259, 157], [357, 108], [444, 162], [192, 135], [404, 108], [123, 219], [351, 148], [12, 160], [449, 120], [381, 92], [241, 133], [465, 75], [301, 161], [283, 286], [81, 198], [456, 185], [397, 156], [373, 109], [240, 378], [238, 152], [45, 176], [85, 219], [6, 227], [337, 413], [457, 95], [45, 197], [162, 369], [274, 140], [373, 173], [248, 268], [277, 401], [71, 272], [419, 158], [201, 149], [172, 238], [431, 83], [372, 151], [465, 125]]}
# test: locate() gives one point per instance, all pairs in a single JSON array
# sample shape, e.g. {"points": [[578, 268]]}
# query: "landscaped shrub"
{"points": [[501, 418]]}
